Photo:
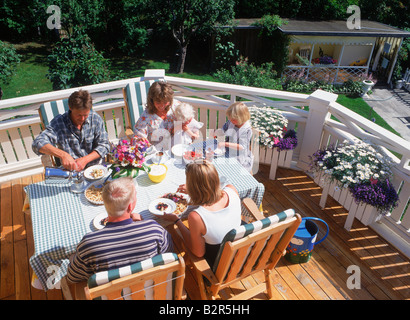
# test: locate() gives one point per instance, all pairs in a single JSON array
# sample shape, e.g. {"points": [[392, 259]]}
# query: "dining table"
{"points": [[60, 218]]}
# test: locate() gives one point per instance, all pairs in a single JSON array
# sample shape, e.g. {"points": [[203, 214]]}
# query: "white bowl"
{"points": [[179, 149]]}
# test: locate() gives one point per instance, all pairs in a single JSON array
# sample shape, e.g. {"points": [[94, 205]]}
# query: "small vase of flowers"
{"points": [[129, 157]]}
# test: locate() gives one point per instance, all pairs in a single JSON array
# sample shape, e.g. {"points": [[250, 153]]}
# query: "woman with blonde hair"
{"points": [[218, 211], [156, 123]]}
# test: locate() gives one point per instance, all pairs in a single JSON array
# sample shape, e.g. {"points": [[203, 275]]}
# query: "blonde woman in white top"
{"points": [[219, 210]]}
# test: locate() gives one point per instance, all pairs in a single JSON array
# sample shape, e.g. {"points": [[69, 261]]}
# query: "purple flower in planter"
{"points": [[381, 194]]}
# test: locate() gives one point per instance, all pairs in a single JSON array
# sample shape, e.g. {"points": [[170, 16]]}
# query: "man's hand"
{"points": [[68, 162]]}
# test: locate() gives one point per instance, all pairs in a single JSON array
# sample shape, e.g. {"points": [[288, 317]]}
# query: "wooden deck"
{"points": [[384, 272]]}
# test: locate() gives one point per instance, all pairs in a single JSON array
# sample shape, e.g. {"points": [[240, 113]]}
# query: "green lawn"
{"points": [[31, 77]]}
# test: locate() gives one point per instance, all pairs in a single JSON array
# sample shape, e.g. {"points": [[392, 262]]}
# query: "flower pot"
{"points": [[399, 84], [280, 158], [367, 85]]}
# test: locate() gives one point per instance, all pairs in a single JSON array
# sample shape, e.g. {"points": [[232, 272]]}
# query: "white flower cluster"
{"points": [[270, 123], [352, 163]]}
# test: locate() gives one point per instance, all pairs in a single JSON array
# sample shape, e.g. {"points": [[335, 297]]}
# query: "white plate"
{"points": [[219, 152], [97, 220], [153, 206], [88, 171], [183, 195], [179, 149], [91, 200]]}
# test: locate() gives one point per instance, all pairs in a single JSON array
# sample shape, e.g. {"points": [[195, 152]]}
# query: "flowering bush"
{"points": [[129, 157], [324, 60], [360, 167], [272, 128]]}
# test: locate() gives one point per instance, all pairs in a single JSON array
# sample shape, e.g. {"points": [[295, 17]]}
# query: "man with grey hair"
{"points": [[126, 238]]}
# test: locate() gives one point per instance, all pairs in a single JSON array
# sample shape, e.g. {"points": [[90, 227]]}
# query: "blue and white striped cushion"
{"points": [[137, 93], [51, 109], [103, 277], [247, 229]]}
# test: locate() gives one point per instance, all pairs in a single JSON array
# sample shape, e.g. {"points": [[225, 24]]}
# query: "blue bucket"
{"points": [[301, 245]]}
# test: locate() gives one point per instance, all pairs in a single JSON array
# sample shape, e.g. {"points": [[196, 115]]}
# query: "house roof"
{"points": [[332, 28]]}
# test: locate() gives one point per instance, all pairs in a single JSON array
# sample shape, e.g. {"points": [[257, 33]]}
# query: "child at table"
{"points": [[184, 112], [238, 133]]}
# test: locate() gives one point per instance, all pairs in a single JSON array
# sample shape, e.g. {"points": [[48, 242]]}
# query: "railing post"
{"points": [[318, 114]]}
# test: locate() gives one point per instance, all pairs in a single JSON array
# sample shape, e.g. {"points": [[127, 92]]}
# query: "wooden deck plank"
{"points": [[385, 272]]}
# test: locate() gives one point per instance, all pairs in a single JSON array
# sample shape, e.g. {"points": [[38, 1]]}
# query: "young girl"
{"points": [[184, 112], [238, 133]]}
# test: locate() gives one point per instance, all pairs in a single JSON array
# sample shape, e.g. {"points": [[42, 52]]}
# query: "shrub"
{"points": [[75, 62], [9, 59], [243, 73]]}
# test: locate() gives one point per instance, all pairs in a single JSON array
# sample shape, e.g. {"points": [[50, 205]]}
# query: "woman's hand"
{"points": [[170, 217], [182, 188]]}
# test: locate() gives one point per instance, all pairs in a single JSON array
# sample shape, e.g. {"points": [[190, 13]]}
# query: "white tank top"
{"points": [[219, 223]]}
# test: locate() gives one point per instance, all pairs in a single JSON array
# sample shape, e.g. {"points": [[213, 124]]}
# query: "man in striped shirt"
{"points": [[77, 138], [126, 239]]}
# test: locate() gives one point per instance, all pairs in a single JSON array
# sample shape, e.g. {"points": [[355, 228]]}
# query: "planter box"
{"points": [[365, 213], [275, 159]]}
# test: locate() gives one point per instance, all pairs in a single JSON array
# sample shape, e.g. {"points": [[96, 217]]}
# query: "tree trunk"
{"points": [[181, 59]]}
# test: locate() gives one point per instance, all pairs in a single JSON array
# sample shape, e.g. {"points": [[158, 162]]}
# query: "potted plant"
{"points": [[368, 82]]}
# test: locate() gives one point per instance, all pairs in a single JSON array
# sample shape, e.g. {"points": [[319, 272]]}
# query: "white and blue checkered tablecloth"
{"points": [[60, 218]]}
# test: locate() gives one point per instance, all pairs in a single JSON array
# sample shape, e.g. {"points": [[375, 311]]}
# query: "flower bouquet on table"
{"points": [[363, 169], [272, 127], [129, 157]]}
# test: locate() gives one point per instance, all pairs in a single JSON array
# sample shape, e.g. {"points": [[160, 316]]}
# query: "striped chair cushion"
{"points": [[247, 229], [49, 110], [103, 277], [136, 94]]}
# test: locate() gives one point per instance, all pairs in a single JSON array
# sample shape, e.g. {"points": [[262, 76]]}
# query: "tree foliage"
{"points": [[185, 18], [9, 59], [75, 62]]}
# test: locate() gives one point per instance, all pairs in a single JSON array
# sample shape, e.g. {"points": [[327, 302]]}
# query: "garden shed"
{"points": [[328, 50]]}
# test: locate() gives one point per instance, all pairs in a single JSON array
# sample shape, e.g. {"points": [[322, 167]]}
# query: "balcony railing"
{"points": [[20, 124]]}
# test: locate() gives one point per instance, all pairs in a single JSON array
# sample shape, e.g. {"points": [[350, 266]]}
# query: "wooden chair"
{"points": [[246, 250], [135, 98], [158, 278]]}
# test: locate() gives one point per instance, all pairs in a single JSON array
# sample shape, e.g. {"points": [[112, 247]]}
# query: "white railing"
{"points": [[315, 128], [327, 73]]}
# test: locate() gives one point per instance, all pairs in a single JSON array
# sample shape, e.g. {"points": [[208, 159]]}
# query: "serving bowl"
{"points": [[158, 172]]}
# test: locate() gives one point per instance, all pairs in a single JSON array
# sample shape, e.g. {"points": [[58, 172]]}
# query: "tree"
{"points": [[185, 18]]}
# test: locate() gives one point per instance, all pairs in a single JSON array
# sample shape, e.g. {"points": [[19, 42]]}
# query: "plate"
{"points": [[180, 208], [154, 210], [93, 194], [219, 152], [96, 172], [179, 149], [97, 220]]}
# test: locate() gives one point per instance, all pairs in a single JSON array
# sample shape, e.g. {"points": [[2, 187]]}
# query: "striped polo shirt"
{"points": [[117, 245]]}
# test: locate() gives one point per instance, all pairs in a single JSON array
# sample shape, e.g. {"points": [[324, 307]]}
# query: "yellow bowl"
{"points": [[157, 177]]}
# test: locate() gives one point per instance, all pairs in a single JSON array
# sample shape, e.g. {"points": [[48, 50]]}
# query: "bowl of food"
{"points": [[158, 172], [191, 155], [95, 172]]}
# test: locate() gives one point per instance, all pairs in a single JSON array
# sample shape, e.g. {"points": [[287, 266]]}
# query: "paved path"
{"points": [[393, 106]]}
